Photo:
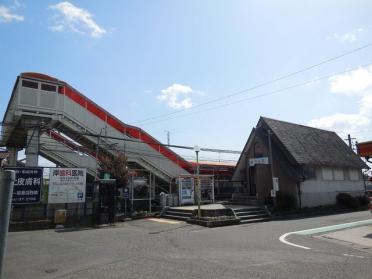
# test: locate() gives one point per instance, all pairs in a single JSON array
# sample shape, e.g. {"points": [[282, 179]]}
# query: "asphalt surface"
{"points": [[149, 249]]}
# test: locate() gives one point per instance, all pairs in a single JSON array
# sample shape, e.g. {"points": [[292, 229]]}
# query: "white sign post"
{"points": [[67, 185], [276, 184], [272, 193]]}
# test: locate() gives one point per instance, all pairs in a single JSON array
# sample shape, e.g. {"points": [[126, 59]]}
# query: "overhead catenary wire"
{"points": [[263, 84]]}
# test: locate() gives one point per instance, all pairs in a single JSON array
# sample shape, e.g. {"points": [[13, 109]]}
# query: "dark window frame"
{"points": [[30, 84], [48, 87]]}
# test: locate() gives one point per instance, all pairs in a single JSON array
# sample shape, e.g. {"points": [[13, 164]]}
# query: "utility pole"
{"points": [[168, 137], [97, 149], [197, 150], [271, 165], [6, 190], [349, 140]]}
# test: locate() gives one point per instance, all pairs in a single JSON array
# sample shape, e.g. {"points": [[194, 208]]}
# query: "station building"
{"points": [[312, 165]]}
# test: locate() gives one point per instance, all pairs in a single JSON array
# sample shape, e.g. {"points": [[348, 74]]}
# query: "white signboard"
{"points": [[258, 161], [67, 185], [273, 193], [276, 183]]}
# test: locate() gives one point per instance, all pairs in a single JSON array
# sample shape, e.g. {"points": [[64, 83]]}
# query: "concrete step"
{"points": [[175, 217], [179, 210], [253, 216], [250, 212], [253, 209], [245, 202], [177, 214], [181, 214]]}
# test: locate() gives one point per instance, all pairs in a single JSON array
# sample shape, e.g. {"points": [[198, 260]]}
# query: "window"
{"points": [[327, 174], [30, 84], [354, 174], [338, 174], [48, 87]]}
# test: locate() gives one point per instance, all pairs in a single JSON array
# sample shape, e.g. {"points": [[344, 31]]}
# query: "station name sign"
{"points": [[258, 161]]}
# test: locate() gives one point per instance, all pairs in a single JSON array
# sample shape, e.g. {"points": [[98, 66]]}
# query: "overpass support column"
{"points": [[32, 147], [13, 156]]}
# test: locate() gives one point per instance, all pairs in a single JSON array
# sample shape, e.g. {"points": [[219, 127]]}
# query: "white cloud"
{"points": [[355, 82], [341, 122], [349, 37], [177, 96], [6, 15], [75, 19], [57, 28]]}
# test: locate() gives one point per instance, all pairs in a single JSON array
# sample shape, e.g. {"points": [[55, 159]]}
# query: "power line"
{"points": [[259, 96], [260, 84]]}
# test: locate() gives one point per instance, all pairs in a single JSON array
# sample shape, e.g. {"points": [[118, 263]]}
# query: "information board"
{"points": [[27, 185], [186, 190], [67, 185]]}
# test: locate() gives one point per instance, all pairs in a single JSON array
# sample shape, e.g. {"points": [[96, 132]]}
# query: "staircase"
{"points": [[252, 214], [178, 214], [244, 199]]}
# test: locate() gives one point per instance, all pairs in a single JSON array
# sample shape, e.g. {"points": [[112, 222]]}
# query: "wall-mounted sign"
{"points": [[276, 183], [27, 185], [273, 193], [258, 161], [67, 185], [126, 193]]}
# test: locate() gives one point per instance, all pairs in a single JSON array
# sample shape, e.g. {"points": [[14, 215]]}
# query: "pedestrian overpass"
{"points": [[48, 117]]}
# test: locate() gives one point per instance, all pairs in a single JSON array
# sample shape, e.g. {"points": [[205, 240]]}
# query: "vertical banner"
{"points": [[67, 185], [27, 185]]}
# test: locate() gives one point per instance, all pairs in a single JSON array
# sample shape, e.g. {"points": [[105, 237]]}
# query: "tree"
{"points": [[116, 165]]}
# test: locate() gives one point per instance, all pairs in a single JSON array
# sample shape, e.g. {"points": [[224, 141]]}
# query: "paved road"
{"points": [[149, 249]]}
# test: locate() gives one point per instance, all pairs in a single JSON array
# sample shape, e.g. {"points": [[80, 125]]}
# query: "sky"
{"points": [[189, 62]]}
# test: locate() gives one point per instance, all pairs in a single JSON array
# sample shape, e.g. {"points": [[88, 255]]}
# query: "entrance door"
{"points": [[252, 181], [107, 203]]}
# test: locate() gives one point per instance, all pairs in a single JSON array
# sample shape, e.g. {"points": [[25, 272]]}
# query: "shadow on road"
{"points": [[368, 236]]}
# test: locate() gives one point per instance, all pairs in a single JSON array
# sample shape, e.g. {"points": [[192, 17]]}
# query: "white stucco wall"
{"points": [[318, 191]]}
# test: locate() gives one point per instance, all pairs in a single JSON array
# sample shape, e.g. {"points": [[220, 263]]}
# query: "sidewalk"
{"points": [[360, 237]]}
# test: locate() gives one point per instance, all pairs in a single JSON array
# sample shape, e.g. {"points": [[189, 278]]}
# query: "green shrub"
{"points": [[363, 200], [285, 201], [346, 200]]}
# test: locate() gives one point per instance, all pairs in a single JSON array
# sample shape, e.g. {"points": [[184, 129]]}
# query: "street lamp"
{"points": [[197, 149]]}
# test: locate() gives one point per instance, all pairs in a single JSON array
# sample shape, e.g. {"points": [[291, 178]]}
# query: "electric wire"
{"points": [[260, 84], [257, 96]]}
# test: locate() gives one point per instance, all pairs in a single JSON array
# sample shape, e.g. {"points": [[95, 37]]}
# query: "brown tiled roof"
{"points": [[313, 146]]}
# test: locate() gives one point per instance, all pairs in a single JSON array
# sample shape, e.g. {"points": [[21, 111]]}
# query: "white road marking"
{"points": [[353, 256], [282, 238]]}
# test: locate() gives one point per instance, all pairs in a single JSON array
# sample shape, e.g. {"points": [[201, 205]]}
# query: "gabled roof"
{"points": [[312, 146]]}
